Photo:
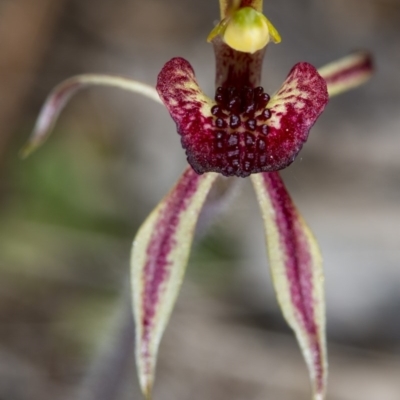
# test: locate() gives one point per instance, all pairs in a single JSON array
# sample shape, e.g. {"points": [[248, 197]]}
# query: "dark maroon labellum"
{"points": [[242, 115], [242, 132]]}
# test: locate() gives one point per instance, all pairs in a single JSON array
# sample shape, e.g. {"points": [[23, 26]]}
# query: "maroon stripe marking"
{"points": [[65, 92], [298, 262], [365, 65], [156, 270]]}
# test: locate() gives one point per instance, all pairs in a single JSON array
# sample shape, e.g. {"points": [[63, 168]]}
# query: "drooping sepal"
{"points": [[296, 268], [62, 93], [159, 257], [348, 72]]}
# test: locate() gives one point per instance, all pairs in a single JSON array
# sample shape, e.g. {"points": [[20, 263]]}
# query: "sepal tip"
{"points": [[26, 150]]}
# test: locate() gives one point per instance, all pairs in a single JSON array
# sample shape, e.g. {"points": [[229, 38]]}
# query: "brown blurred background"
{"points": [[70, 211]]}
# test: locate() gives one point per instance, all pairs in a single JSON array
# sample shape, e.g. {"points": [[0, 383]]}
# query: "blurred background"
{"points": [[70, 211]]}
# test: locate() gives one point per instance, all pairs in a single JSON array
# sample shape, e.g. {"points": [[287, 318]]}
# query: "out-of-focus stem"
{"points": [[106, 375]]}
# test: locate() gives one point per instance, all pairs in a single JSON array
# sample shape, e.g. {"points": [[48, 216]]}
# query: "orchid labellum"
{"points": [[244, 132]]}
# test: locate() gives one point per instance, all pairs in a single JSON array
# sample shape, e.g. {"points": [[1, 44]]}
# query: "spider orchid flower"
{"points": [[241, 132]]}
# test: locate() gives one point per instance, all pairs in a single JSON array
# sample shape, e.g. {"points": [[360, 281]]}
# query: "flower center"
{"points": [[240, 117]]}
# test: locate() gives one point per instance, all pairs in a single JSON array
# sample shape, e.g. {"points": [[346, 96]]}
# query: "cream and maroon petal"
{"points": [[159, 256], [296, 268], [294, 110], [348, 72], [62, 93]]}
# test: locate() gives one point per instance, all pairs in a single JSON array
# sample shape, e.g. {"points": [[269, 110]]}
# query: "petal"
{"points": [[348, 72], [62, 93], [294, 110], [296, 268], [275, 35], [159, 256]]}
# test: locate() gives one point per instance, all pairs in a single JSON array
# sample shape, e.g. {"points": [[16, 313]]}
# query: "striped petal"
{"points": [[348, 72], [62, 93], [159, 256], [296, 268]]}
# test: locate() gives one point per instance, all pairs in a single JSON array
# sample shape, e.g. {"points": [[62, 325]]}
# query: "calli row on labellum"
{"points": [[242, 131]]}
